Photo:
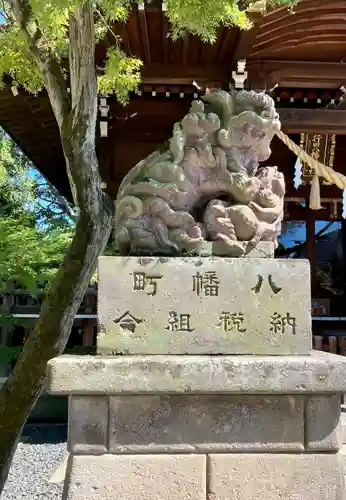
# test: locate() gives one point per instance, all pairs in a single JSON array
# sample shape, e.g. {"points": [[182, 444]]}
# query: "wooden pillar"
{"points": [[88, 324], [311, 245], [88, 332], [343, 239], [3, 329], [8, 302]]}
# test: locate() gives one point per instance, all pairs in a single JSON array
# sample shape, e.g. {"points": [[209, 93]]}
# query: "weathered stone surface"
{"points": [[262, 249], [323, 422], [169, 202], [210, 423], [88, 424], [275, 477], [203, 305], [319, 372], [343, 427], [144, 477]]}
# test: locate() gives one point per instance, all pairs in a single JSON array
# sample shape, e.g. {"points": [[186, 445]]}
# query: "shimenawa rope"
{"points": [[321, 170]]}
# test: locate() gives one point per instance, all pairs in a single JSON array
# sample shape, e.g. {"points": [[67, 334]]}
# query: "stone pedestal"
{"points": [[201, 305], [185, 410]]}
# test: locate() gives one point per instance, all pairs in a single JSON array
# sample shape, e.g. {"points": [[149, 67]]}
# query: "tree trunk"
{"points": [[76, 117], [50, 335]]}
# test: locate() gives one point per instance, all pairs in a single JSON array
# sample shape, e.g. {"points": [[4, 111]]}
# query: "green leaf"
{"points": [[115, 10], [16, 60], [122, 72], [203, 18], [121, 75]]}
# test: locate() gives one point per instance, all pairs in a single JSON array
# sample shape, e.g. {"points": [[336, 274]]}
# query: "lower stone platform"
{"points": [[203, 427], [205, 477]]}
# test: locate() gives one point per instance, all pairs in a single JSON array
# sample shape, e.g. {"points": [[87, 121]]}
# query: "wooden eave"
{"points": [[29, 120], [301, 54]]}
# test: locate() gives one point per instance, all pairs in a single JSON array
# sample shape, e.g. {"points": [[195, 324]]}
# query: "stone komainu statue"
{"points": [[208, 184]]}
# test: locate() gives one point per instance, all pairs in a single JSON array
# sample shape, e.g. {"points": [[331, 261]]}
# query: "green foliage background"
{"points": [[33, 235], [35, 230]]}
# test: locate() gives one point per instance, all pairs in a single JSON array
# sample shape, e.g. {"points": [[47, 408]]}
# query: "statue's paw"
{"points": [[122, 240], [230, 240], [236, 247], [254, 184], [266, 198], [180, 219], [203, 230], [184, 241], [195, 232]]}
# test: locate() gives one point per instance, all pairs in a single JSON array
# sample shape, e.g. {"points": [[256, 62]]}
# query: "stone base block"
{"points": [[197, 424], [203, 427], [275, 477], [319, 373], [144, 477], [203, 424], [88, 424], [323, 426], [203, 305]]}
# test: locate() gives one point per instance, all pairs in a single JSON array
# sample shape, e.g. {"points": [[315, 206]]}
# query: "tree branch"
{"points": [[46, 207], [79, 138], [3, 11], [51, 72], [61, 200], [82, 65]]}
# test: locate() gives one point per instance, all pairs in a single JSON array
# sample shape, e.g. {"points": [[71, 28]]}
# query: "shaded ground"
{"points": [[33, 471]]}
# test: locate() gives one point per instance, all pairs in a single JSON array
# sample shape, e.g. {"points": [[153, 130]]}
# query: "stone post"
{"points": [[205, 386]]}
